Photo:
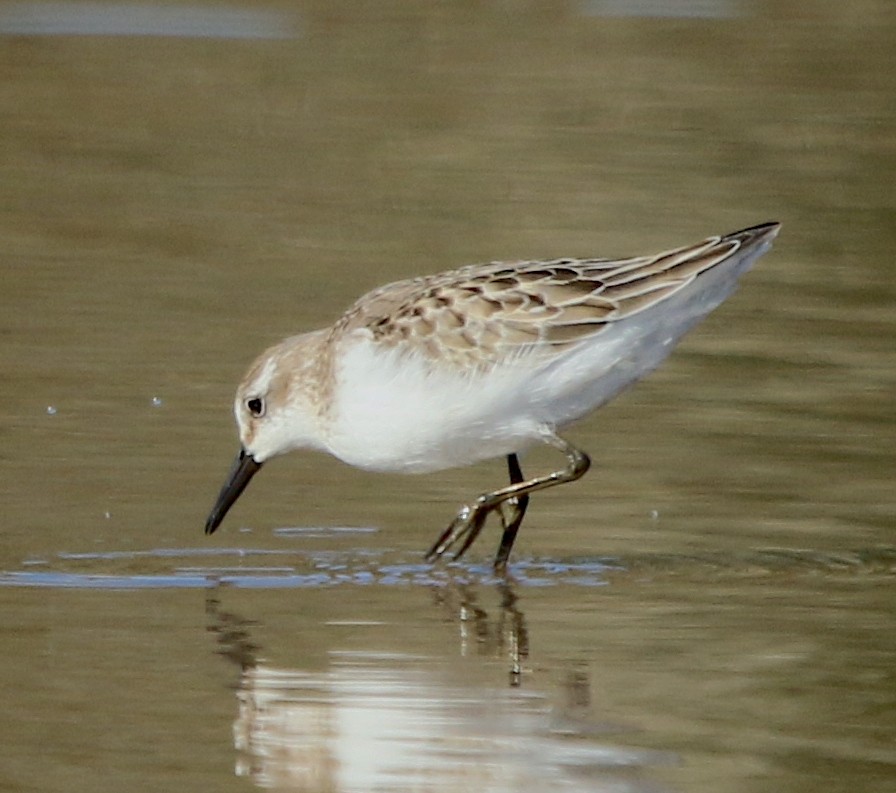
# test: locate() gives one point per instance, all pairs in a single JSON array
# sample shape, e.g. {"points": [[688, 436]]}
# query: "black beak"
{"points": [[244, 468]]}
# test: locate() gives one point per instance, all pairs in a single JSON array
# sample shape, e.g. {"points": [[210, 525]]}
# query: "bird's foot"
{"points": [[464, 528]]}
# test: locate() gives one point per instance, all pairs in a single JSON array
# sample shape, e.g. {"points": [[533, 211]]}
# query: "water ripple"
{"points": [[300, 568], [307, 569]]}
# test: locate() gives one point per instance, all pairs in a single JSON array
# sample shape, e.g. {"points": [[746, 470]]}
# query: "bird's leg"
{"points": [[471, 517], [517, 505]]}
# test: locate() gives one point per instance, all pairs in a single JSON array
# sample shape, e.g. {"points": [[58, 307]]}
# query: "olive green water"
{"points": [[710, 609]]}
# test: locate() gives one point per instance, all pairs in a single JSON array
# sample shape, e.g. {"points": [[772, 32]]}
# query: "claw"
{"points": [[475, 522], [456, 529], [466, 526]]}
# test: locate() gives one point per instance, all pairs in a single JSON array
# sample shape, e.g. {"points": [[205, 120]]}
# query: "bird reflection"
{"points": [[503, 634], [409, 721], [231, 632]]}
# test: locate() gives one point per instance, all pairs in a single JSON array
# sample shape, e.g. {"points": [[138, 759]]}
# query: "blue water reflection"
{"points": [[309, 569], [144, 19]]}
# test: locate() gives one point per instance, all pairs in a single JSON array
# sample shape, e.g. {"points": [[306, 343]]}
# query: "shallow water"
{"points": [[710, 608]]}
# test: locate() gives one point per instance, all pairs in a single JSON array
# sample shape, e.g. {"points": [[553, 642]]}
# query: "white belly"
{"points": [[395, 412]]}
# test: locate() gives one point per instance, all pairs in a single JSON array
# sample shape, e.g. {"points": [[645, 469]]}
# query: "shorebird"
{"points": [[449, 369]]}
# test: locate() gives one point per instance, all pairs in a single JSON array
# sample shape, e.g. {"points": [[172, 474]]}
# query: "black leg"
{"points": [[468, 522], [518, 507]]}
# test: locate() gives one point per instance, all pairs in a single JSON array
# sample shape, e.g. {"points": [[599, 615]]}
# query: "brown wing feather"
{"points": [[484, 314]]}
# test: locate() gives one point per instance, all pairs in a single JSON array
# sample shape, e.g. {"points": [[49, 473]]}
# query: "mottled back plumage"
{"points": [[487, 314]]}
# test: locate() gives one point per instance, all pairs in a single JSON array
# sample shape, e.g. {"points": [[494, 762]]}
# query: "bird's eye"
{"points": [[255, 405]]}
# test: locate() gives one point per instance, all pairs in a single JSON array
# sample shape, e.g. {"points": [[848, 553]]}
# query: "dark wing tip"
{"points": [[766, 231]]}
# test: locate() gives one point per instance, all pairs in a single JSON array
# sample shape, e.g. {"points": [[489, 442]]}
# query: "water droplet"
{"points": [[655, 514], [51, 411], [157, 402]]}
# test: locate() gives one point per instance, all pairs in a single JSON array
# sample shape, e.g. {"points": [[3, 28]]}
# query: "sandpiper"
{"points": [[449, 369]]}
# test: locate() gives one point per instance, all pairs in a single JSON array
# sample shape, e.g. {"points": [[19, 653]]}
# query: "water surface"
{"points": [[710, 609]]}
